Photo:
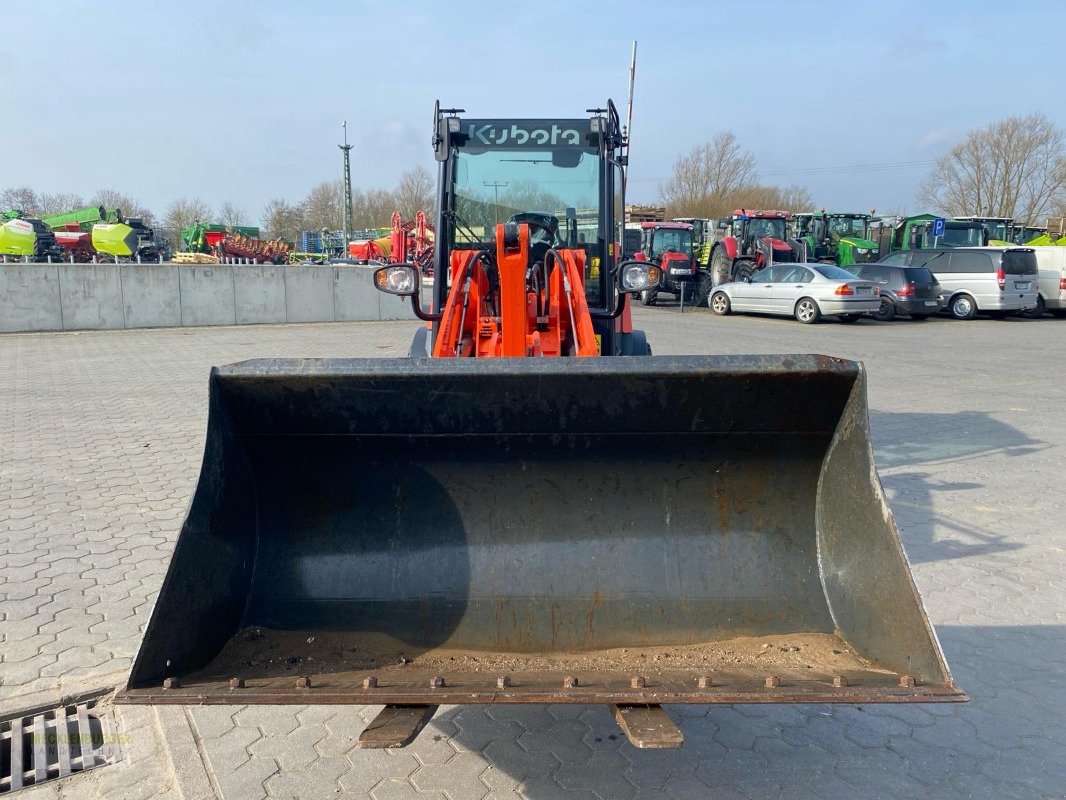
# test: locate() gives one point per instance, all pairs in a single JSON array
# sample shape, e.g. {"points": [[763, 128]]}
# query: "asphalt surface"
{"points": [[100, 448]]}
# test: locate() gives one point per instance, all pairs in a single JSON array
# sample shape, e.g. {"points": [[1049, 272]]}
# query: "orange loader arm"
{"points": [[507, 308]]}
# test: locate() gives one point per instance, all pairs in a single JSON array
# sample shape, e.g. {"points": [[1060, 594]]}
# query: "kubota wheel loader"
{"points": [[507, 518]]}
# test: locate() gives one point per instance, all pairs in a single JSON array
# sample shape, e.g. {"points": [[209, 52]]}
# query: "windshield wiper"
{"points": [[465, 227]]}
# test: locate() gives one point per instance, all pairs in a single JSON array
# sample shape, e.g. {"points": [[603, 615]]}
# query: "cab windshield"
{"points": [[962, 237], [493, 185], [847, 227], [997, 230], [761, 228], [665, 240]]}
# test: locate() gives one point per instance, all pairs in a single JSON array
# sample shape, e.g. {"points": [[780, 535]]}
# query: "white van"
{"points": [[990, 280], [1051, 262]]}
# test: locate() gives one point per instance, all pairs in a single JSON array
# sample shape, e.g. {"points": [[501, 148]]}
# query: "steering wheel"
{"points": [[548, 223]]}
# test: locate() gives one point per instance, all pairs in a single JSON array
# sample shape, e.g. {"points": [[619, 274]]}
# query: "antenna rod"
{"points": [[629, 120], [632, 80]]}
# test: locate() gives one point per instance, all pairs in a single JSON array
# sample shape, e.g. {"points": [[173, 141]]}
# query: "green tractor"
{"points": [[205, 237], [999, 229], [916, 233], [836, 237]]}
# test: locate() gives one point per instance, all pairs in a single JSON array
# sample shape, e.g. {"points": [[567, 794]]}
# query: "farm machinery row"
{"points": [[241, 242], [86, 234]]}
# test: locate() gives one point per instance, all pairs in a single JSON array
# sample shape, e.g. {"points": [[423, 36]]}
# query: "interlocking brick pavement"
{"points": [[100, 446]]}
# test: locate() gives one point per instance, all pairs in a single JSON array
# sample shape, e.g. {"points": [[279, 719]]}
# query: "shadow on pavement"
{"points": [[907, 438], [1006, 742], [912, 439]]}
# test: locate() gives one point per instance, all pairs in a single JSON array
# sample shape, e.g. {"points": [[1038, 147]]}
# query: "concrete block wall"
{"points": [[67, 297]]}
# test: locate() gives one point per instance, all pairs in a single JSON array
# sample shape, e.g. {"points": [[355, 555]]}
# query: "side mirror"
{"points": [[399, 279]]}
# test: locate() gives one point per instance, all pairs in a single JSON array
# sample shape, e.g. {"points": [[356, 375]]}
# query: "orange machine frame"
{"points": [[487, 318]]}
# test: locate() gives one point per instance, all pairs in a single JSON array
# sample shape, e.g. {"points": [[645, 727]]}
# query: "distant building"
{"points": [[636, 213]]}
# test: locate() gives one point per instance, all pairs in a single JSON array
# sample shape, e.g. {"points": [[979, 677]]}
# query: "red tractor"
{"points": [[753, 240], [668, 245]]}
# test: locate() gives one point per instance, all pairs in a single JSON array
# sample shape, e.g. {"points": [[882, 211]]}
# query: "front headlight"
{"points": [[401, 279], [637, 276], [863, 250]]}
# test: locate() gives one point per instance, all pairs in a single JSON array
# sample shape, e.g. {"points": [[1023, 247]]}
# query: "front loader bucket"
{"points": [[620, 530]]}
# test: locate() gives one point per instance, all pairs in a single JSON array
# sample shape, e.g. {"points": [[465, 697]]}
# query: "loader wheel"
{"points": [[807, 311], [720, 303], [647, 297], [420, 344], [635, 343]]}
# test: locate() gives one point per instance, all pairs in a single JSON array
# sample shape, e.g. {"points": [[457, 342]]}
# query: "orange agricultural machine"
{"points": [[505, 518], [412, 242]]}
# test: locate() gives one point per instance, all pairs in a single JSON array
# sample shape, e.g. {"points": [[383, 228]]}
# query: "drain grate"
{"points": [[53, 744]]}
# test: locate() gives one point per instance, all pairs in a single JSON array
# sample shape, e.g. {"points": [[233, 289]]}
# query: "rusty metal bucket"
{"points": [[630, 531]]}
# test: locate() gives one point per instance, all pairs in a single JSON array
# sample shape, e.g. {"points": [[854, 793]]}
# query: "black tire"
{"points": [[963, 306], [807, 311], [420, 344], [721, 269], [703, 288], [1038, 312], [719, 303], [886, 311], [647, 297], [849, 317], [744, 270], [634, 344]]}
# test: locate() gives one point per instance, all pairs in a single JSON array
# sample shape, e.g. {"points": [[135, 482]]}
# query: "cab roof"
{"points": [[748, 213], [681, 226]]}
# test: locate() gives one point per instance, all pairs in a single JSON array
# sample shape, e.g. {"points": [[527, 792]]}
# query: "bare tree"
{"points": [[182, 213], [282, 220], [323, 207], [128, 205], [20, 198], [372, 208], [230, 214], [786, 198], [60, 202], [1011, 168], [706, 176], [415, 192]]}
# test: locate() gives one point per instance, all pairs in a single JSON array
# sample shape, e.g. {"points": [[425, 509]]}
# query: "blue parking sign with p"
{"points": [[938, 226]]}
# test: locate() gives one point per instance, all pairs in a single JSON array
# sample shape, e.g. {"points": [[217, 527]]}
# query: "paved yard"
{"points": [[99, 449]]}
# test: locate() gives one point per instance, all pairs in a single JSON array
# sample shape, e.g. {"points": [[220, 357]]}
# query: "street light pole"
{"points": [[346, 148]]}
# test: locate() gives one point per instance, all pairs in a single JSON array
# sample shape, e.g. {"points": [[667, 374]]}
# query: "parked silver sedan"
{"points": [[804, 291]]}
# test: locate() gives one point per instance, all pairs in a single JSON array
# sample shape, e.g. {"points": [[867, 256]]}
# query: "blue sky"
{"points": [[243, 101]]}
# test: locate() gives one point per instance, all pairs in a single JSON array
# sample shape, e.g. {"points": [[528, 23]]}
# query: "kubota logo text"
{"points": [[517, 134]]}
